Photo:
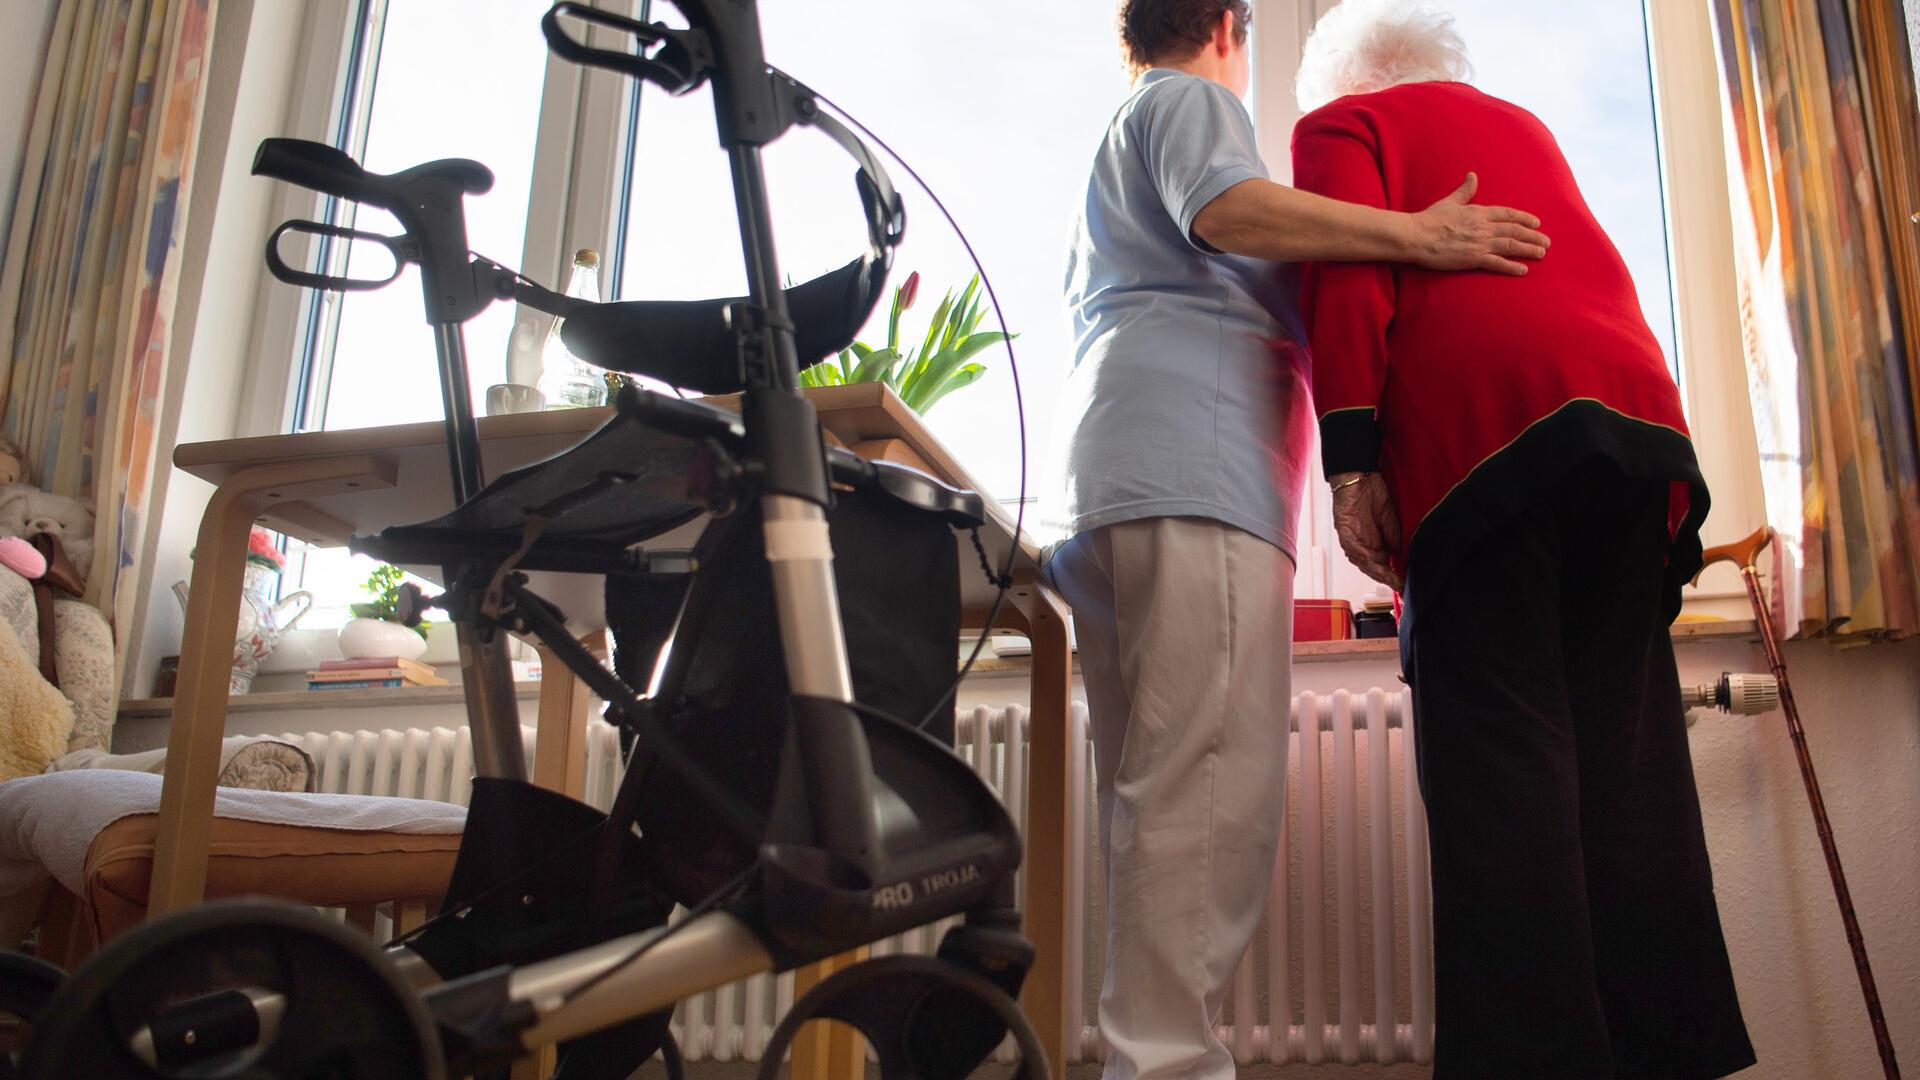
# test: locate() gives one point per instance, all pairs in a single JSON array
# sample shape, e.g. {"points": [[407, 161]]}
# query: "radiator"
{"points": [[436, 763], [1340, 971]]}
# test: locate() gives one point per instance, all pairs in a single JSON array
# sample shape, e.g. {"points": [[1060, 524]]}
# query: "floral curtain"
{"points": [[1823, 147], [92, 263]]}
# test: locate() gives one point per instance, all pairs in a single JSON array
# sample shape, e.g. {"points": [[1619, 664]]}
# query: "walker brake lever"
{"points": [[403, 249], [412, 603], [681, 63]]}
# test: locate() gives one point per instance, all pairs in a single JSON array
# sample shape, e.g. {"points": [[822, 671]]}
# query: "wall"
{"points": [[1861, 710], [22, 51]]}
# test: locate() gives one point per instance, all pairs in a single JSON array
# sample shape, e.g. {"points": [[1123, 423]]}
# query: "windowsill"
{"points": [[1310, 652], [1325, 652], [306, 700]]}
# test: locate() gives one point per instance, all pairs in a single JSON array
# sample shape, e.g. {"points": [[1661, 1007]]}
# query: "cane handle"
{"points": [[1742, 553]]}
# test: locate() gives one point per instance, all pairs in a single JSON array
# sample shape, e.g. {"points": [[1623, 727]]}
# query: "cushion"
{"points": [[322, 867]]}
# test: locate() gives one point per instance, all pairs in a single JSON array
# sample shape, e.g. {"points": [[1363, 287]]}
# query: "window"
{"points": [[999, 104], [411, 95], [1583, 69], [1011, 173], [442, 79]]}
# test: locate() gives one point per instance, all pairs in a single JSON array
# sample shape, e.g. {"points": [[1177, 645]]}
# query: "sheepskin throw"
{"points": [[35, 718], [83, 649]]}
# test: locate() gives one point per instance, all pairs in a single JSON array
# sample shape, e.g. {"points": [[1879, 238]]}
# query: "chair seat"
{"points": [[317, 866]]}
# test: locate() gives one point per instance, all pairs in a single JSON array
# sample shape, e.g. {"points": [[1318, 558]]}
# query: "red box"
{"points": [[1322, 620]]}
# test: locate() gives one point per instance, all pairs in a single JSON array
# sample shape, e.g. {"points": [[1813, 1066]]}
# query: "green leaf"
{"points": [[928, 383], [960, 313], [965, 376], [875, 366], [929, 346], [972, 345], [931, 385]]}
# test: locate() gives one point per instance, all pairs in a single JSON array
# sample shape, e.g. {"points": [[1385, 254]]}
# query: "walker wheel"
{"points": [[237, 990], [26, 985]]}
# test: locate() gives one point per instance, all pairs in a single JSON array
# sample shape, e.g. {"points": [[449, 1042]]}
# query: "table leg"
{"points": [[1046, 917], [825, 1049], [409, 915], [206, 657], [560, 743], [363, 916]]}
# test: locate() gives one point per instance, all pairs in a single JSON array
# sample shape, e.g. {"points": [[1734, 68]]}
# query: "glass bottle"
{"points": [[566, 381]]}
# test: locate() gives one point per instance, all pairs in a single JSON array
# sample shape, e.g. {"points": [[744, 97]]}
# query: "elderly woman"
{"points": [[1514, 448]]}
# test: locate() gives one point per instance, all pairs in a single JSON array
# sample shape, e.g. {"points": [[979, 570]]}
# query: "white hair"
{"points": [[1366, 45]]}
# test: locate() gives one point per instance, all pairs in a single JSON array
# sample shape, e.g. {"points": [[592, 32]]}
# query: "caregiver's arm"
{"points": [[1272, 221]]}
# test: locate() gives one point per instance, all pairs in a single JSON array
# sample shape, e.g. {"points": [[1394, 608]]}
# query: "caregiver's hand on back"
{"points": [[1265, 220], [1457, 235]]}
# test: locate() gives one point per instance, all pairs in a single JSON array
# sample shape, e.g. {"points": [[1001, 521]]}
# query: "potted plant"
{"points": [[376, 629], [939, 365]]}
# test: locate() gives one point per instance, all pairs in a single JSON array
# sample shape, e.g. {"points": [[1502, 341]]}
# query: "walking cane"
{"points": [[1744, 554]]}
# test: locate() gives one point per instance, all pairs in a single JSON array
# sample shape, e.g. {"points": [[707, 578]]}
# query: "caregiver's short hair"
{"points": [[1157, 31], [1366, 45]]}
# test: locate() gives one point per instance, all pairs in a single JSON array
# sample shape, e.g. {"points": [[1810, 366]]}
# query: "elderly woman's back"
{"points": [[1433, 377], [1514, 449], [1444, 372], [1411, 143]]}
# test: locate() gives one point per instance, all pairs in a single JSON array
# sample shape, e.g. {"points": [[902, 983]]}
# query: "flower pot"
{"points": [[369, 638]]}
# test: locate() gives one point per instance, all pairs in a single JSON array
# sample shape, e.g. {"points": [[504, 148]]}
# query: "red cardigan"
{"points": [[1473, 392]]}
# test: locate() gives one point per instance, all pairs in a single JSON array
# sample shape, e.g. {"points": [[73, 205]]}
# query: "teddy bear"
{"points": [[43, 711], [26, 512]]}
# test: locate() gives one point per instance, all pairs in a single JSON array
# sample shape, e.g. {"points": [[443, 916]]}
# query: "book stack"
{"points": [[372, 674]]}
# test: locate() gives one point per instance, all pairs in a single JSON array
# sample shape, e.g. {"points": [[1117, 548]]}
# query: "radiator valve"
{"points": [[1741, 695]]}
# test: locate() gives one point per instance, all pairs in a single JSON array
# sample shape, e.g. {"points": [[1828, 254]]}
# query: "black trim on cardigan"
{"points": [[1507, 483]]}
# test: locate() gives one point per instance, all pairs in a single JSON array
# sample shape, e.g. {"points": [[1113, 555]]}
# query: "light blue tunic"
{"points": [[1179, 403]]}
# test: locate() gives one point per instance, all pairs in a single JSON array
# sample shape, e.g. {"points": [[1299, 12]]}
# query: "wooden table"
{"points": [[322, 487]]}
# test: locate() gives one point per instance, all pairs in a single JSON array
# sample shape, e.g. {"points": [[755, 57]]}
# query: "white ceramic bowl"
{"points": [[367, 638]]}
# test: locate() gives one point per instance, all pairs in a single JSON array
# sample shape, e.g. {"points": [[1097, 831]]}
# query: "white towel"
{"points": [[47, 822]]}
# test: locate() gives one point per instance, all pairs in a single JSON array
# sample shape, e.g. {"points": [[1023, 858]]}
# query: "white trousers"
{"points": [[1184, 628]]}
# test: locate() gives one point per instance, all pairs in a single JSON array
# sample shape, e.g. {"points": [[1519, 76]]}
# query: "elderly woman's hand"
{"points": [[1367, 524], [1454, 234]]}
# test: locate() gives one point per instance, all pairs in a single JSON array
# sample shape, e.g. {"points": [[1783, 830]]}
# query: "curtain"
{"points": [[92, 264], [1822, 154]]}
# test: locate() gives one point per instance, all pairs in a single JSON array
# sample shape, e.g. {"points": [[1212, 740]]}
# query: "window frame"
{"points": [[572, 203]]}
